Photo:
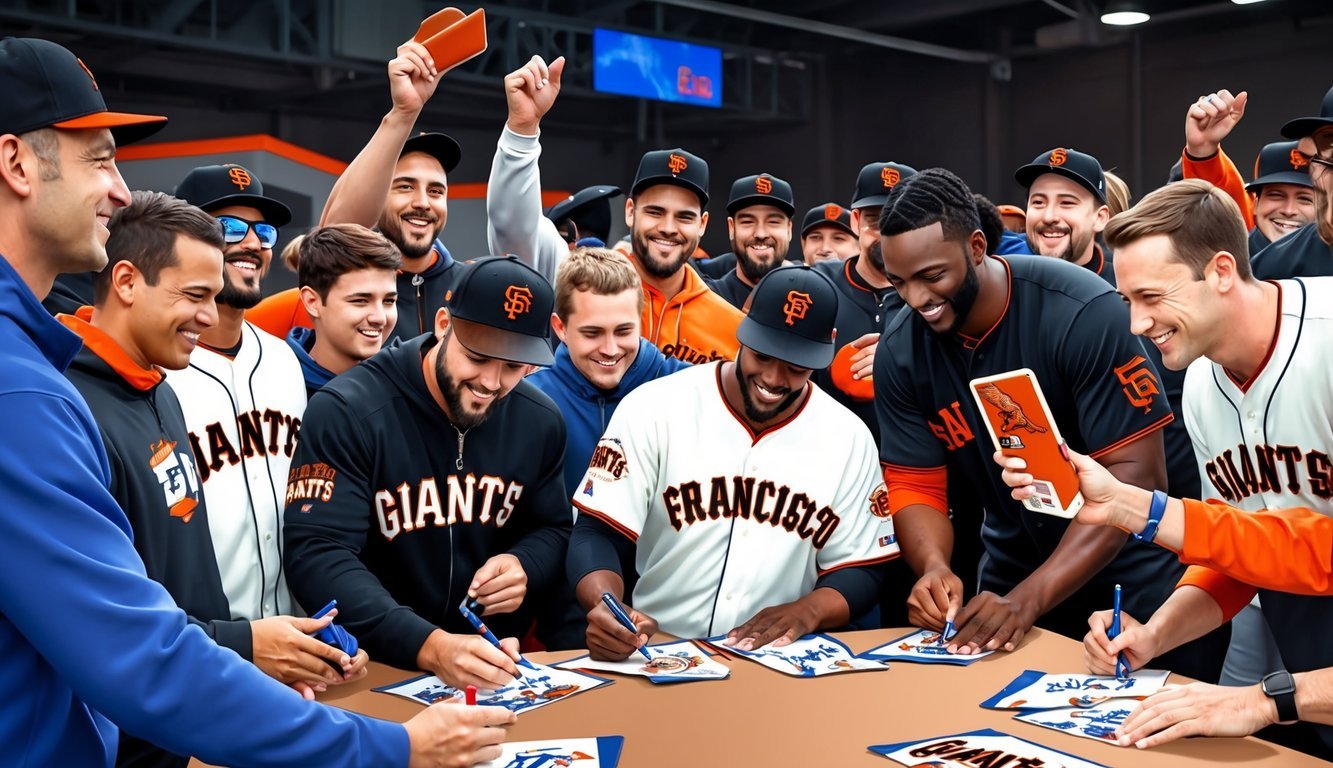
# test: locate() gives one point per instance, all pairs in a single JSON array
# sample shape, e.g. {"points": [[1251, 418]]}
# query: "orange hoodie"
{"points": [[1232, 552], [280, 313], [696, 325], [1219, 171]]}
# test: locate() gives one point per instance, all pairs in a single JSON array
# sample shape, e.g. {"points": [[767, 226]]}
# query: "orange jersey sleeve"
{"points": [[912, 485], [1219, 171], [1288, 550], [1229, 594], [280, 313]]}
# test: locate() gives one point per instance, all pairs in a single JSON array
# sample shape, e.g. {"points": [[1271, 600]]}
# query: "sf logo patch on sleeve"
{"points": [[1138, 383]]}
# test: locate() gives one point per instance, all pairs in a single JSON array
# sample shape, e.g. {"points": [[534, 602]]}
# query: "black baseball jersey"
{"points": [[1300, 254], [715, 267], [730, 287], [1101, 263], [391, 510], [420, 295], [1257, 242], [1072, 330], [862, 309]]}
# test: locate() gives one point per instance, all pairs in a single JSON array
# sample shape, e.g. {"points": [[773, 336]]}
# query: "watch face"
{"points": [[1278, 683]]}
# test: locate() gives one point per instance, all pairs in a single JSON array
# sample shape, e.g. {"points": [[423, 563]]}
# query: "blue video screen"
{"points": [[653, 68]]}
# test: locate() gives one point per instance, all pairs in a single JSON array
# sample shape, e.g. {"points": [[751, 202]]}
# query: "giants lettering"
{"points": [[1277, 469], [963, 753], [310, 482], [408, 508], [762, 501], [260, 434], [952, 428]]}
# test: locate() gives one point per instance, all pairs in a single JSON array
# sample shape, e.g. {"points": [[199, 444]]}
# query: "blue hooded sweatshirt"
{"points": [[87, 638], [302, 340], [587, 409]]}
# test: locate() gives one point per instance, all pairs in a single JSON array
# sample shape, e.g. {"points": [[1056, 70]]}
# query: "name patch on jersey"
{"points": [[1138, 383], [763, 501], [310, 482], [1270, 469], [261, 434], [607, 463], [467, 499]]}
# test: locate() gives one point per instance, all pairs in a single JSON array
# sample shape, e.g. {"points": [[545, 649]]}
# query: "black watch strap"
{"points": [[1280, 686]]}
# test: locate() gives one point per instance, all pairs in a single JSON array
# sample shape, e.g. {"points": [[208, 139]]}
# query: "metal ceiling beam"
{"points": [[834, 30], [894, 16]]}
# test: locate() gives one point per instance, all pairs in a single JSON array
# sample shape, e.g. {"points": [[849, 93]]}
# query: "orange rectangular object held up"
{"points": [[451, 37], [1020, 424]]}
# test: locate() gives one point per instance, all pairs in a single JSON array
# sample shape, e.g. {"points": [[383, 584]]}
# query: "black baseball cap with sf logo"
{"points": [[210, 187], [672, 166], [792, 313], [501, 308]]}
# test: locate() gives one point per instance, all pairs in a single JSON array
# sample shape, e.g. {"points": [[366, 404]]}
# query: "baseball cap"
{"points": [[1070, 163], [1304, 126], [1281, 163], [828, 213], [588, 209], [792, 313], [501, 308], [673, 166], [46, 86], [1011, 210], [761, 189], [875, 180], [216, 186], [438, 145]]}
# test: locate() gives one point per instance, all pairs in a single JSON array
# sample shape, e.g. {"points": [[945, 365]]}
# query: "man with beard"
{"points": [[759, 215], [432, 474], [243, 397], [398, 184], [1067, 208], [664, 212], [1308, 251], [970, 315], [756, 536]]}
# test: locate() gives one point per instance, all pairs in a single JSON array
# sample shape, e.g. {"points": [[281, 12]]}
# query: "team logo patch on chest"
{"points": [[175, 473]]}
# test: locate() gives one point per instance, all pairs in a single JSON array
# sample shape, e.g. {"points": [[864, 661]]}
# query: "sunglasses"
{"points": [[234, 231]]}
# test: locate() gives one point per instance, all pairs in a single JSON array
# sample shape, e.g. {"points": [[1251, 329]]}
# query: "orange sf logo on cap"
{"points": [[89, 73], [832, 212], [1298, 160], [676, 163], [763, 185], [890, 177], [240, 177], [518, 300], [797, 305], [1058, 157]]}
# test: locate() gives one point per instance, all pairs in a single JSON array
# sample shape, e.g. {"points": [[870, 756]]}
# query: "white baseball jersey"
{"points": [[1267, 442], [728, 522], [244, 416]]}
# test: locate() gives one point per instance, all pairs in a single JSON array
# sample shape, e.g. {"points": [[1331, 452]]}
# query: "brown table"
{"points": [[759, 717]]}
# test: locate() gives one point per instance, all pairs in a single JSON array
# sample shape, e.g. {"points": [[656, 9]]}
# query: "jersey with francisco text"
{"points": [[1071, 329], [727, 521]]}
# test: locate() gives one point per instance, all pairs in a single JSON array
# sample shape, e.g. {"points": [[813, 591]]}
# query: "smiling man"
{"points": [[1308, 251], [970, 315], [243, 396], [759, 224], [1067, 208], [346, 275], [432, 473], [750, 534]]}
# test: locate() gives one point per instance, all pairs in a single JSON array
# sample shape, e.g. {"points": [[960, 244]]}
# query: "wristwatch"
{"points": [[1280, 686]]}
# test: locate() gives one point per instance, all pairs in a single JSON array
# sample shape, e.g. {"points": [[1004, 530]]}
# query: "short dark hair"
{"points": [[933, 195], [144, 234], [992, 223], [325, 254]]}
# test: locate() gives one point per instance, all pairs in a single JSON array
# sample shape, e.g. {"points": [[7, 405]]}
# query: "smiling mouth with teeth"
{"points": [[1161, 339]]}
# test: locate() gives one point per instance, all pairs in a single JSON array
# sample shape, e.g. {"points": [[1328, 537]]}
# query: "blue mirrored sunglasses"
{"points": [[234, 231]]}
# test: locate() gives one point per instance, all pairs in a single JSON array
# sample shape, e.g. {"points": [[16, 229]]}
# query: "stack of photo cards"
{"points": [[675, 662], [983, 747], [601, 752], [1035, 690], [810, 656], [1096, 722], [922, 647], [536, 688]]}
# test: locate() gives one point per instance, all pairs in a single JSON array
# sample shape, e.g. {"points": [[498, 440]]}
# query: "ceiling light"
{"points": [[1124, 14], [1246, 2]]}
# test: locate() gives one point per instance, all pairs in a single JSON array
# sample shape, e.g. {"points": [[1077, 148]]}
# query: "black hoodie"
{"points": [[391, 510]]}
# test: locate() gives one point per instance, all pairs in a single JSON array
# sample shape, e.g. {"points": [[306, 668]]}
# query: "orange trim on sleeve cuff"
{"points": [[1148, 430], [1230, 595], [909, 486], [620, 528]]}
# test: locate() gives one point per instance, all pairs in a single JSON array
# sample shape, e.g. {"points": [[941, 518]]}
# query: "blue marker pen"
{"points": [[486, 633], [623, 618], [949, 631], [1121, 666]]}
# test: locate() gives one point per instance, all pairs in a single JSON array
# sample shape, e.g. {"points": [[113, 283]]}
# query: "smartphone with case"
{"points": [[452, 37], [1020, 424]]}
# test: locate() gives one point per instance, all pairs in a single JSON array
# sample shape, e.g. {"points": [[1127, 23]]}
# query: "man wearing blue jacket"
{"points": [[88, 639], [598, 305]]}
